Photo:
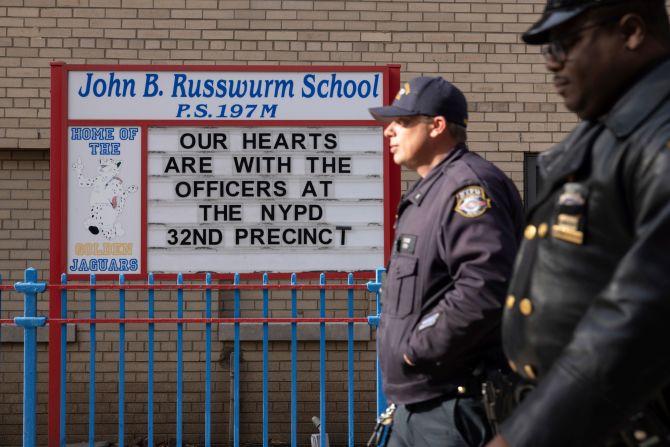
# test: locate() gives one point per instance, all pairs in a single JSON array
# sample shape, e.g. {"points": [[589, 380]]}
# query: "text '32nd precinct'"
{"points": [[228, 169]]}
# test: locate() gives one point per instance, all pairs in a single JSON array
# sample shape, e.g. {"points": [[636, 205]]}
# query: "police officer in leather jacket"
{"points": [[587, 317], [456, 236]]}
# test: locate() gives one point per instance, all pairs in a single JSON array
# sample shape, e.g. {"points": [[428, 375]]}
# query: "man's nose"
{"points": [[553, 65], [388, 131]]}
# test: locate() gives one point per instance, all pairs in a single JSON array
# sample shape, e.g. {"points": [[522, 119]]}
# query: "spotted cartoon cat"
{"points": [[108, 197]]}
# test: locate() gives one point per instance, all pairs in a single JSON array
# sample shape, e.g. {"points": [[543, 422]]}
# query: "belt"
{"points": [[471, 387]]}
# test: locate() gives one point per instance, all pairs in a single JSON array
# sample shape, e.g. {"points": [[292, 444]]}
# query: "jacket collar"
{"points": [[422, 186], [639, 101], [563, 161]]}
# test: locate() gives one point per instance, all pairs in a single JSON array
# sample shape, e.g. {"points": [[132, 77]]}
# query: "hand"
{"points": [[498, 441], [407, 360]]}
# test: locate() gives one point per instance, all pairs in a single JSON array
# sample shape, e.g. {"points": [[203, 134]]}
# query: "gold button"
{"points": [[526, 307], [461, 390], [512, 365], [529, 232], [542, 229], [530, 371], [510, 301]]}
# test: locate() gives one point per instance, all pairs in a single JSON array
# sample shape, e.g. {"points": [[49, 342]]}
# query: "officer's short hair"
{"points": [[458, 132]]}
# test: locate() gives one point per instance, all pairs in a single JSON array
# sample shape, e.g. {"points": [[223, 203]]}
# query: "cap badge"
{"points": [[471, 201], [403, 91]]}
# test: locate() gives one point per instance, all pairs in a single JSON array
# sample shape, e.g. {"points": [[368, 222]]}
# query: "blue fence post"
{"points": [[91, 368], [30, 322], [266, 302], [373, 320], [294, 362], [150, 367], [350, 359], [63, 361], [122, 361], [180, 357], [236, 365], [322, 361], [208, 361]]}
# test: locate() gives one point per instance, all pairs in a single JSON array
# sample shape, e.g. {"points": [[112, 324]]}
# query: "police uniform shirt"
{"points": [[457, 233]]}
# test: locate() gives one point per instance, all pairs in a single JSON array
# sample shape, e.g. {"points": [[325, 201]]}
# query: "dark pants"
{"points": [[453, 422]]}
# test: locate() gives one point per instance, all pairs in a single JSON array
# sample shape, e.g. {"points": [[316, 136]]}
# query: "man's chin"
{"points": [[571, 104], [583, 113]]}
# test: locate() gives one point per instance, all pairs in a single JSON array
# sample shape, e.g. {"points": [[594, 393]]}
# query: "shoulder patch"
{"points": [[471, 201]]}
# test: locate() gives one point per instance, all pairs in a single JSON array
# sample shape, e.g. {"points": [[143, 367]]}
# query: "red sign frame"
{"points": [[60, 122]]}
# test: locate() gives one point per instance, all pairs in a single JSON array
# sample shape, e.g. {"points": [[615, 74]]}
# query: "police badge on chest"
{"points": [[569, 224]]}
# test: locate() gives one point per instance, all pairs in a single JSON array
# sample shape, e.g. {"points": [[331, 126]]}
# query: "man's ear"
{"points": [[634, 30], [439, 126]]}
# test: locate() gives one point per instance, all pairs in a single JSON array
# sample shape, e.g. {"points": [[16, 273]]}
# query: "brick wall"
{"points": [[474, 43]]}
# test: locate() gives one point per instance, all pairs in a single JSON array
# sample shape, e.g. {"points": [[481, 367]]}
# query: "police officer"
{"points": [[456, 237], [588, 311]]}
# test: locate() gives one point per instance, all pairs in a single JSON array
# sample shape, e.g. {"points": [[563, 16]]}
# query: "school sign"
{"points": [[217, 168]]}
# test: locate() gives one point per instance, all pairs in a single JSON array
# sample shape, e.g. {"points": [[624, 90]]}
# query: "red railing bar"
{"points": [[203, 320], [206, 287]]}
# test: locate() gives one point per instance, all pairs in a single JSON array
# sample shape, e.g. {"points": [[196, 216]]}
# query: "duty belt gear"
{"points": [[382, 428]]}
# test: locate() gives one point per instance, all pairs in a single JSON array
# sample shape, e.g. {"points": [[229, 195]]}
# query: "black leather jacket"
{"points": [[588, 311]]}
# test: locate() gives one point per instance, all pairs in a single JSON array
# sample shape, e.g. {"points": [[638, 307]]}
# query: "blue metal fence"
{"points": [[30, 321]]}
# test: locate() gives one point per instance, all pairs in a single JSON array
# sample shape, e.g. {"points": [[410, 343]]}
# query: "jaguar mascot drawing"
{"points": [[108, 197]]}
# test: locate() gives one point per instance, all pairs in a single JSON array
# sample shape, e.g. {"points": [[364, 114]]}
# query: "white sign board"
{"points": [[305, 198]]}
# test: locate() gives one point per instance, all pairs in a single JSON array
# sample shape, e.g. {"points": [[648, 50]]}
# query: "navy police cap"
{"points": [[556, 13], [430, 96]]}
